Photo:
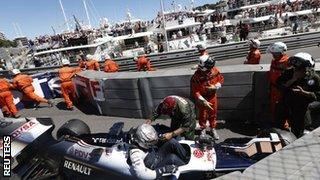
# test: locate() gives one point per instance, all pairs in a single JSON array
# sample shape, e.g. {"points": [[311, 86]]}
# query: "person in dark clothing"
{"points": [[150, 159], [37, 62], [300, 86], [182, 114]]}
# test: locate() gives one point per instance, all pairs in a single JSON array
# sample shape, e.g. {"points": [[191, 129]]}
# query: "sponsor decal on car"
{"points": [[79, 153], [24, 128], [107, 140], [80, 168], [198, 153]]}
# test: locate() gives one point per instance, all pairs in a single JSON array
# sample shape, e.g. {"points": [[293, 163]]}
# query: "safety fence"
{"points": [[219, 51]]}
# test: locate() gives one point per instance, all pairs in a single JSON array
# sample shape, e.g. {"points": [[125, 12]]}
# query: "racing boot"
{"points": [[214, 134]]}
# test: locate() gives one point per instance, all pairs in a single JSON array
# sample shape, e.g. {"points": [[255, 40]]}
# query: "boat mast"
{"points": [[15, 29], [64, 15], [87, 13], [164, 25]]}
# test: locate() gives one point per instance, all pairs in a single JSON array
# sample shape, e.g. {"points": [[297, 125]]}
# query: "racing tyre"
{"points": [[73, 127]]}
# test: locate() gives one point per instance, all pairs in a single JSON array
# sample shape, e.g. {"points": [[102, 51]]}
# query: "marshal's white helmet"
{"points": [[277, 47], [146, 136], [302, 59], [65, 61], [88, 56], [254, 43], [206, 62], [16, 71]]}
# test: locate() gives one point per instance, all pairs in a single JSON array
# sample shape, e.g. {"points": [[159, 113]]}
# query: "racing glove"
{"points": [[168, 169]]}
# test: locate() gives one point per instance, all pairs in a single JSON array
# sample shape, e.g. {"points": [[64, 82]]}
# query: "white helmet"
{"points": [[88, 56], [206, 62], [254, 43], [146, 136], [106, 56], [302, 59], [65, 61], [277, 47], [16, 71], [201, 47]]}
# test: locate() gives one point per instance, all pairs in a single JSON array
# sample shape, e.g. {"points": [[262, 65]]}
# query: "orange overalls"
{"points": [[200, 82], [67, 88], [81, 65], [6, 98], [253, 57], [143, 64], [93, 65], [110, 66], [23, 83], [276, 68]]}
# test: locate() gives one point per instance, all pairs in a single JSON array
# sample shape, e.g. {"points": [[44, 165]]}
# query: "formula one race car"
{"points": [[78, 154]]}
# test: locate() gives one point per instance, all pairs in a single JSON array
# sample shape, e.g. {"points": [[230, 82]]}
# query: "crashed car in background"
{"points": [[78, 154]]}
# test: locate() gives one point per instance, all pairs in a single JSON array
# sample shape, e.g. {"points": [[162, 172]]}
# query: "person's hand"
{"points": [[168, 136], [168, 169], [212, 88], [207, 104], [300, 91], [148, 121]]}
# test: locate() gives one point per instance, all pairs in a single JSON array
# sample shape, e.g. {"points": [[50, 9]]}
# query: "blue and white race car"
{"points": [[78, 154]]}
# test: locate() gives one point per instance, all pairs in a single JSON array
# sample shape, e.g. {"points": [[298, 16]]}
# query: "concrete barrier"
{"points": [[135, 94]]}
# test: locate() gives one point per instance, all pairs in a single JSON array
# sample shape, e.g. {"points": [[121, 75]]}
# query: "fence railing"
{"points": [[220, 52]]}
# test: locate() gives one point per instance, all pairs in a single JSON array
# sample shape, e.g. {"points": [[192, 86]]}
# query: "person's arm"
{"points": [[97, 66], [196, 88], [139, 168], [155, 113]]}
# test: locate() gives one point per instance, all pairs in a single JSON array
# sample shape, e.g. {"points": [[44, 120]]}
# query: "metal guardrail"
{"points": [[220, 52]]}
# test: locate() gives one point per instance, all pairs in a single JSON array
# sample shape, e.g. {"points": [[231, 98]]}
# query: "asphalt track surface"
{"points": [[98, 123]]}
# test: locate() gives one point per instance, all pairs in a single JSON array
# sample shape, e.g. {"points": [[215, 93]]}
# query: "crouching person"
{"points": [[150, 161], [300, 86], [182, 114], [66, 73], [23, 83]]}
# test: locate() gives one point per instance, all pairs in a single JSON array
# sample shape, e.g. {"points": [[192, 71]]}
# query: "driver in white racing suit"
{"points": [[151, 162]]}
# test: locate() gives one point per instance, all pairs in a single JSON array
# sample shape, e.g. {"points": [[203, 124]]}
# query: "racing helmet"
{"points": [[167, 105], [255, 43], [65, 61], [302, 60], [277, 47], [206, 62], [201, 47], [16, 71], [146, 136]]}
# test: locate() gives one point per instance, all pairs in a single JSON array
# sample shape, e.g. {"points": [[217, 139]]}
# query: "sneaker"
{"points": [[203, 132], [215, 134], [50, 103]]}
